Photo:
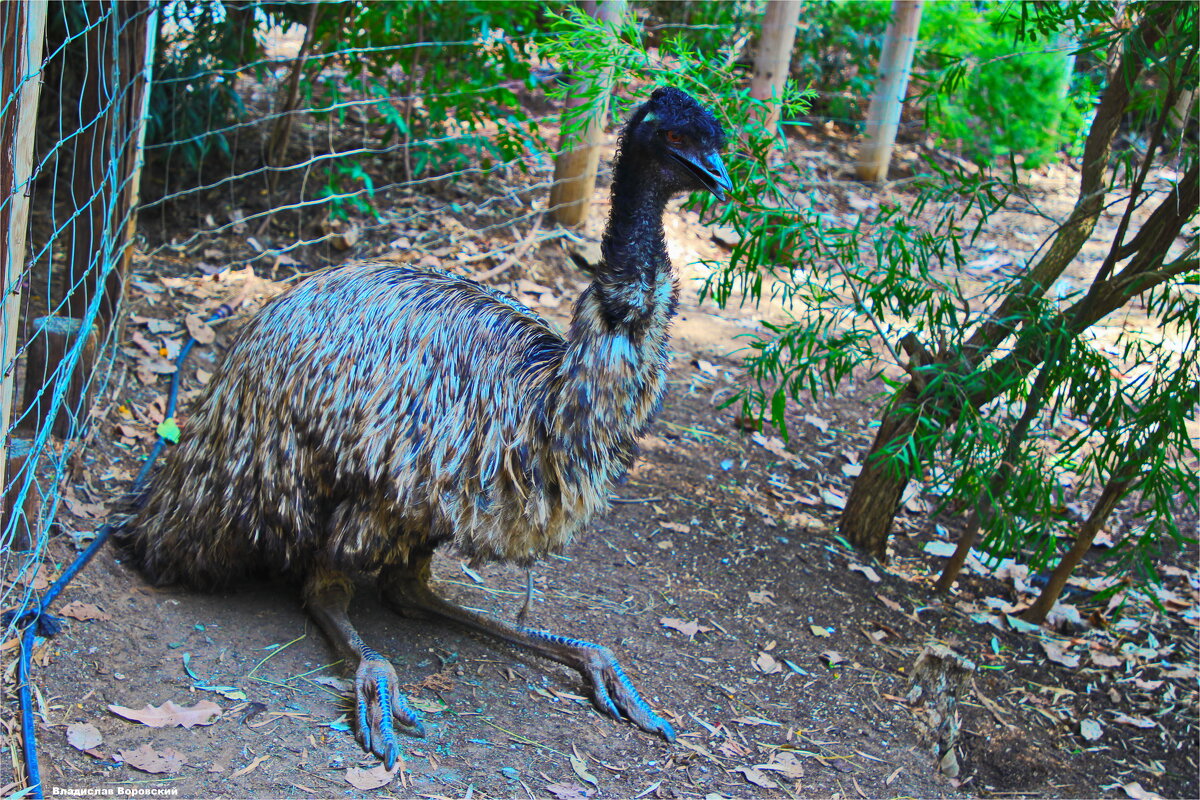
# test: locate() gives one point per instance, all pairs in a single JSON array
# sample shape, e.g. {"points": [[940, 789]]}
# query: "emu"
{"points": [[374, 412]]}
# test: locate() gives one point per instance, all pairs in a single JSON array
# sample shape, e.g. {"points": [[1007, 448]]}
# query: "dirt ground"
{"points": [[782, 659]]}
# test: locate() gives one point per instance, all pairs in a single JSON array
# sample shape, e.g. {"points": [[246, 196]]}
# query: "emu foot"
{"points": [[612, 691], [377, 700]]}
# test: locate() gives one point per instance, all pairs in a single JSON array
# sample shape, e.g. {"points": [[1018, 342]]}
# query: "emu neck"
{"points": [[634, 282]]}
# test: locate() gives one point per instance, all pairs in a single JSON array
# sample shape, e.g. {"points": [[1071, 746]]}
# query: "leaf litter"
{"points": [[169, 714]]}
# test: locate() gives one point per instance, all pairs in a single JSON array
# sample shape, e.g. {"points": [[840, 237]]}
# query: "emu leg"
{"points": [[406, 587], [377, 697]]}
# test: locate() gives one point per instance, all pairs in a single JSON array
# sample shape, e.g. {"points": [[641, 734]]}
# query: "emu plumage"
{"points": [[373, 413]]}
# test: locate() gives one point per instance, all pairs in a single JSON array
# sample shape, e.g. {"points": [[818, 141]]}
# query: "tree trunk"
{"points": [[281, 133], [875, 495], [575, 168], [774, 58], [1109, 498], [1119, 482], [895, 65]]}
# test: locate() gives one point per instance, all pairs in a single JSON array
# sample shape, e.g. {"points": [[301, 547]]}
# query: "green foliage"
{"points": [[993, 75], [994, 96], [440, 102], [202, 47], [436, 83], [709, 27], [837, 50], [877, 289]]}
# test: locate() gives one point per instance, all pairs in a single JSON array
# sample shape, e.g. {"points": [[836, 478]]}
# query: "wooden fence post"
{"points": [[105, 169], [22, 26], [895, 65], [575, 169], [774, 58]]}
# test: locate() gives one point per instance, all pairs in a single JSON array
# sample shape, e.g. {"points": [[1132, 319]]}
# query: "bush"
{"points": [[837, 54], [996, 96]]}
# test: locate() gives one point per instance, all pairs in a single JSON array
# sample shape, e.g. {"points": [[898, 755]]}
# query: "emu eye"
{"points": [[673, 137]]}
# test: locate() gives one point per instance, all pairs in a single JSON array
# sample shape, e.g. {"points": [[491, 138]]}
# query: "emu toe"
{"points": [[612, 691], [615, 695], [377, 700]]}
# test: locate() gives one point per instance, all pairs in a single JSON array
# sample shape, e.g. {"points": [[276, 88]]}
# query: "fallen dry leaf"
{"points": [[912, 499], [766, 664], [38, 579], [762, 598], [148, 346], [152, 324], [755, 721], [1058, 652], [147, 377], [819, 423], [579, 766], [156, 366], [568, 791], [868, 572], [343, 685], [833, 498], [1137, 722], [1179, 671], [1135, 791], [833, 657], [820, 631], [84, 611], [84, 736], [1104, 659], [675, 526], [169, 714], [367, 779], [253, 765], [757, 777], [786, 764], [147, 759], [688, 629], [85, 510], [889, 603], [730, 748], [199, 329]]}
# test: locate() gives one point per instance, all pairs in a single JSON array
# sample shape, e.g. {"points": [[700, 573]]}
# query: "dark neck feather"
{"points": [[634, 243]]}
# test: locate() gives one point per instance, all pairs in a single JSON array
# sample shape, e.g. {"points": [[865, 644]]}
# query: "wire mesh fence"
{"points": [[74, 94], [273, 137]]}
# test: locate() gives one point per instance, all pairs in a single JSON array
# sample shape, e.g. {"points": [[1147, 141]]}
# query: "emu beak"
{"points": [[709, 169]]}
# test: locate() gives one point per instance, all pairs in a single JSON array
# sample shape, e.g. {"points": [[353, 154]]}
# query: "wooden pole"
{"points": [[138, 56], [22, 26], [895, 66], [774, 58], [105, 171], [575, 169]]}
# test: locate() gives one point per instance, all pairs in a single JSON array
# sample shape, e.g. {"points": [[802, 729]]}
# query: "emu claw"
{"points": [[615, 695], [377, 699]]}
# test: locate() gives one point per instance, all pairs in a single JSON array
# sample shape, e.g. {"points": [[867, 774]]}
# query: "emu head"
{"points": [[677, 142]]}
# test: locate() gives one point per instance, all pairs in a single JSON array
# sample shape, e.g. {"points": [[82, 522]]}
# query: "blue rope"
{"points": [[40, 622]]}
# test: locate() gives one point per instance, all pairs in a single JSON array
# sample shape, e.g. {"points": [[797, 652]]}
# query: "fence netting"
{"points": [[74, 78], [181, 141]]}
